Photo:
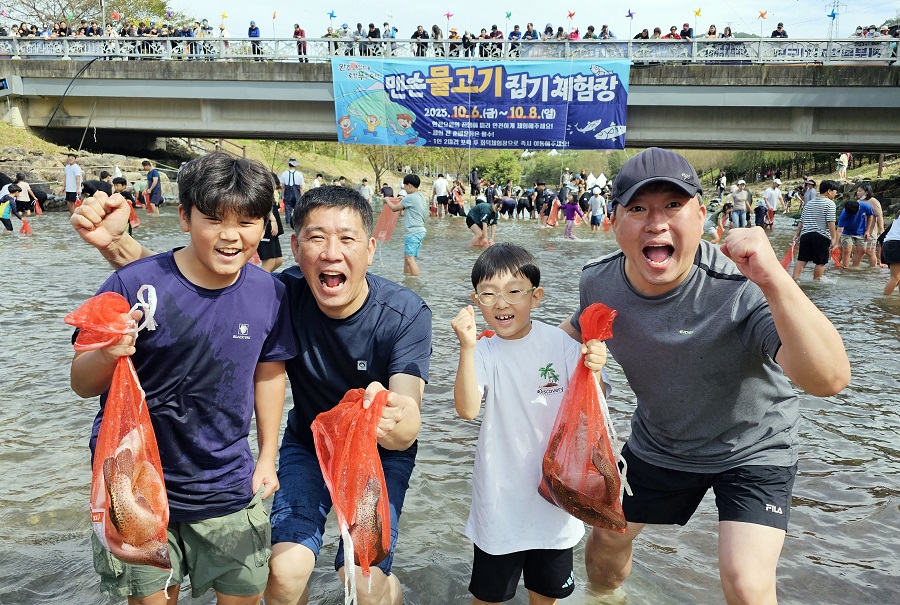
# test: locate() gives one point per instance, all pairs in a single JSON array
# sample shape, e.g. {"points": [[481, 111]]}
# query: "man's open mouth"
{"points": [[658, 255], [332, 279], [228, 251]]}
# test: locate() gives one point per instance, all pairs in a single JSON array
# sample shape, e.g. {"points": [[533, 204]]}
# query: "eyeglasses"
{"points": [[512, 297]]}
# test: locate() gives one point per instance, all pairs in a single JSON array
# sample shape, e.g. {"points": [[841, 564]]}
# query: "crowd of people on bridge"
{"points": [[470, 41]]}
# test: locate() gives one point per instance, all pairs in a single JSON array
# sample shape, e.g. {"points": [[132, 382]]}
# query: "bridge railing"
{"points": [[320, 50]]}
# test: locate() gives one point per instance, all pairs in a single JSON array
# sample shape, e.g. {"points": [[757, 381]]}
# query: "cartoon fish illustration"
{"points": [[131, 506], [598, 70], [589, 126], [612, 131]]}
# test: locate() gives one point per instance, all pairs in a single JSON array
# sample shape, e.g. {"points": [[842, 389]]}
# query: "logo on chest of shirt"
{"points": [[243, 332], [362, 366], [551, 385]]}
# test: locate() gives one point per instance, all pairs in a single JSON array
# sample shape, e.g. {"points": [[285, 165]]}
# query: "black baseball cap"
{"points": [[651, 166]]}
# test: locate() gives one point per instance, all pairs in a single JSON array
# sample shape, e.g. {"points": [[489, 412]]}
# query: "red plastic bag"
{"points": [[26, 228], [37, 208], [129, 506], [387, 220], [348, 455], [788, 256], [133, 219], [146, 196], [606, 223], [580, 469], [836, 257]]}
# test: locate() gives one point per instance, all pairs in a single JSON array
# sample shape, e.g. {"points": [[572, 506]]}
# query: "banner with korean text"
{"points": [[455, 103]]}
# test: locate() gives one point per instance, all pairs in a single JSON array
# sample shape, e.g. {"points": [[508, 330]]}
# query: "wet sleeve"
{"points": [[754, 323], [411, 352], [280, 344]]}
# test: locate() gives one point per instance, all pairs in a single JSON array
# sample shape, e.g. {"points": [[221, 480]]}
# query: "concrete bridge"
{"points": [[129, 104]]}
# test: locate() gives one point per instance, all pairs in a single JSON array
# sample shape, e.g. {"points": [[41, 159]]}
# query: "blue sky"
{"points": [[802, 18]]}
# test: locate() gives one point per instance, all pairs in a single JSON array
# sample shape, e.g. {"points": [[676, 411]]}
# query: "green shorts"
{"points": [[229, 554]]}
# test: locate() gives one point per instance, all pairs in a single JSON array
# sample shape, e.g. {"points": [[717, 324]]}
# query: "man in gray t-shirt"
{"points": [[707, 337]]}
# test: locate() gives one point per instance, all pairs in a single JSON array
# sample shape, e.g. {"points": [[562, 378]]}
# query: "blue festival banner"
{"points": [[455, 103]]}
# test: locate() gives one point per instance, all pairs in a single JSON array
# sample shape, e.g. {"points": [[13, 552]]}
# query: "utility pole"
{"points": [[103, 16]]}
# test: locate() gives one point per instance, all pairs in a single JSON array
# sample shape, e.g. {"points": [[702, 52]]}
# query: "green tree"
{"points": [[500, 165], [44, 12]]}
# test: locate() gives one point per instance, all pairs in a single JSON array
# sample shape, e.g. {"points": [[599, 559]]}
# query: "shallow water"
{"points": [[845, 525]]}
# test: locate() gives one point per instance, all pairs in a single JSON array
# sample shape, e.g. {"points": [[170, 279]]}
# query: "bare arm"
{"points": [[466, 395], [402, 416], [567, 327], [102, 221], [268, 387], [92, 371], [395, 206], [812, 353]]}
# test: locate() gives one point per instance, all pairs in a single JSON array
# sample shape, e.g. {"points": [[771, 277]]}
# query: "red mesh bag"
{"points": [[387, 220], [788, 256], [836, 257], [26, 228], [129, 507], [580, 469], [348, 455], [133, 219], [37, 208]]}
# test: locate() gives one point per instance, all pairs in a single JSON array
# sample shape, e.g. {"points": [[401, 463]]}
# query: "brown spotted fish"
{"points": [[131, 509], [366, 528]]}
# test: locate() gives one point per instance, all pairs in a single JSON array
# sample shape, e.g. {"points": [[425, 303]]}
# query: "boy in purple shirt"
{"points": [[216, 357]]}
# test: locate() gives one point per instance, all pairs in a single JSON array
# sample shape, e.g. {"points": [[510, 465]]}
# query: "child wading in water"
{"points": [[571, 208], [521, 374]]}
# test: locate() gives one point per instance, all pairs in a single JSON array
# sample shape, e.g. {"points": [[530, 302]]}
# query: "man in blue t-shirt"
{"points": [[854, 227], [153, 192], [353, 330]]}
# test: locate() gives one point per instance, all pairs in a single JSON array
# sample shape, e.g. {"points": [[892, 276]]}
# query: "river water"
{"points": [[844, 535]]}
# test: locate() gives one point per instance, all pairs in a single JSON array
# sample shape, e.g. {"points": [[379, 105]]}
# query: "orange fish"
{"points": [[130, 508]]}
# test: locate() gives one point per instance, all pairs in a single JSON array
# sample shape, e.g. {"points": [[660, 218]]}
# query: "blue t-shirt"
{"points": [[855, 224], [197, 370], [390, 334]]}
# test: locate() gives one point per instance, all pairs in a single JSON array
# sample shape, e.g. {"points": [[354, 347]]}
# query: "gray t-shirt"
{"points": [[700, 360], [416, 210]]}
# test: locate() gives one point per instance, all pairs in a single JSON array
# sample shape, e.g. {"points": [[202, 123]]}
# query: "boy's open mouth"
{"points": [[658, 255], [331, 279], [505, 318], [228, 251]]}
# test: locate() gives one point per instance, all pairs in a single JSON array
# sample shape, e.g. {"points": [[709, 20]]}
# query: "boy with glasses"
{"points": [[521, 373]]}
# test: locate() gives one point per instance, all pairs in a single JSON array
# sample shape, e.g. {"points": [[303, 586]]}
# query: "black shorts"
{"points": [[71, 197], [549, 573], [749, 494], [443, 200], [814, 248], [890, 252], [470, 222]]}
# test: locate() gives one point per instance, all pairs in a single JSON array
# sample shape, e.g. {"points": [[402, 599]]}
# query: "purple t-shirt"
{"points": [[390, 334], [571, 210], [855, 224], [197, 370]]}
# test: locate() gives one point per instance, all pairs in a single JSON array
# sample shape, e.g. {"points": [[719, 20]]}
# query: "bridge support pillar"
{"points": [[12, 112]]}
